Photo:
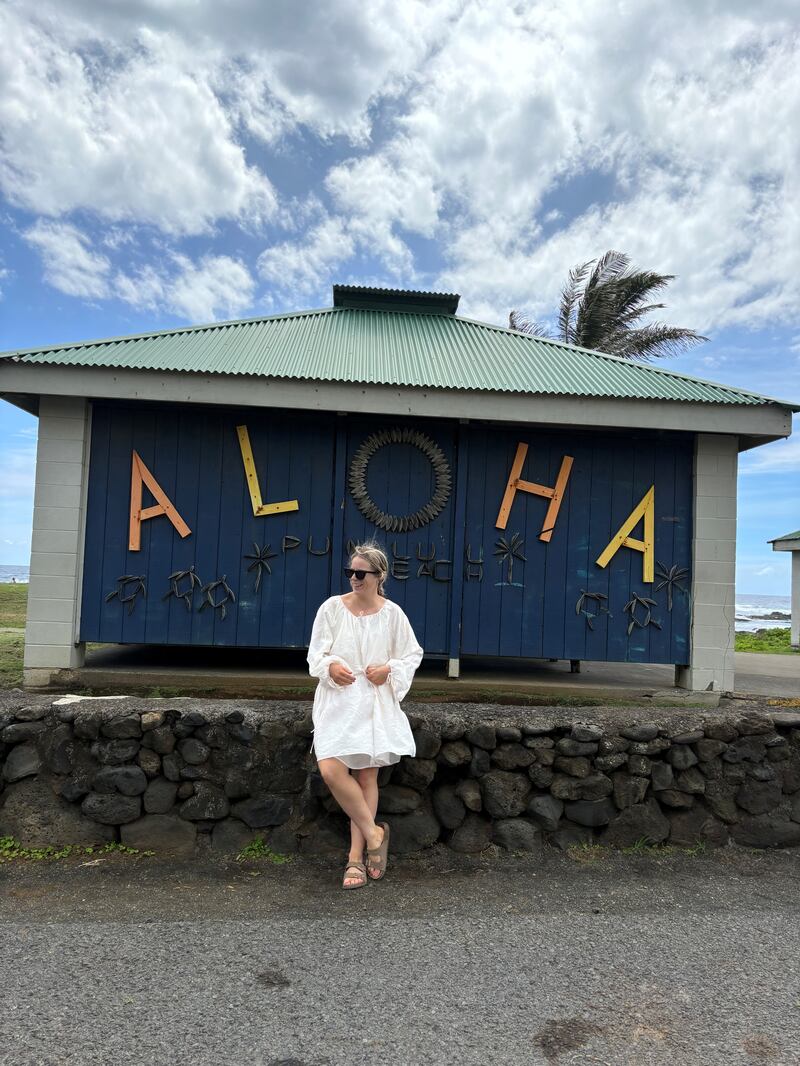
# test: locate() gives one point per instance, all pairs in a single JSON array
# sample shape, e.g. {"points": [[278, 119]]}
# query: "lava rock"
{"points": [[708, 749], [208, 802], [509, 733], [681, 758], [455, 753], [23, 761], [568, 746], [516, 834], [473, 835], [398, 799], [671, 797], [15, 734], [595, 787], [113, 809], [159, 739], [469, 792], [165, 834], [512, 756], [115, 752], [628, 790], [127, 780], [483, 736], [412, 832], [766, 831], [541, 776], [565, 788], [591, 812], [607, 763], [481, 763], [263, 810], [575, 767], [662, 776], [546, 810], [415, 772], [35, 816], [149, 761], [122, 728], [193, 751], [583, 732], [642, 821], [691, 780], [230, 836], [759, 797], [640, 765], [696, 826], [450, 808], [643, 731], [504, 793], [427, 742], [159, 796]]}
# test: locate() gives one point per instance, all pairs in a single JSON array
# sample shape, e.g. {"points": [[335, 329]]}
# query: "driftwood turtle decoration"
{"points": [[187, 593], [260, 557], [208, 592], [670, 579], [129, 587], [646, 604], [598, 598], [357, 480]]}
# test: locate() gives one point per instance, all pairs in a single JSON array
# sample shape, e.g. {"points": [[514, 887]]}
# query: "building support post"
{"points": [[59, 510], [712, 633]]}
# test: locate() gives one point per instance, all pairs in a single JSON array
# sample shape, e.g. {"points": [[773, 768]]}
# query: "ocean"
{"points": [[750, 610], [14, 573]]}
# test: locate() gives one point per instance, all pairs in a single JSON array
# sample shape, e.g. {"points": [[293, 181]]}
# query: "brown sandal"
{"points": [[361, 868], [378, 858]]}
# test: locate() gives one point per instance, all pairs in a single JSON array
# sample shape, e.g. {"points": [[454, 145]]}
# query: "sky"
{"points": [[166, 162]]}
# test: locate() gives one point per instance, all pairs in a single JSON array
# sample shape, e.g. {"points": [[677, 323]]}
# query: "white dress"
{"points": [[362, 724]]}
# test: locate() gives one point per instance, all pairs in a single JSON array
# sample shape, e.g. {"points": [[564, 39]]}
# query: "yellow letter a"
{"points": [[645, 509]]}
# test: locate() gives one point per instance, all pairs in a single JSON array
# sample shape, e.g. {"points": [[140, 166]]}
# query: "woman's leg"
{"points": [[349, 795], [368, 782]]}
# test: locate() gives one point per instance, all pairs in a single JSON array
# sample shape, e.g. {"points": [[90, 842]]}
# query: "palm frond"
{"points": [[522, 324], [656, 341], [570, 295]]}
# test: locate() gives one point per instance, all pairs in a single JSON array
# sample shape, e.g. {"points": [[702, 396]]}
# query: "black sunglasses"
{"points": [[358, 574]]}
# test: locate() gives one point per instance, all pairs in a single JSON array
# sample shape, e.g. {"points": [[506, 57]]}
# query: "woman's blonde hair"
{"points": [[376, 557]]}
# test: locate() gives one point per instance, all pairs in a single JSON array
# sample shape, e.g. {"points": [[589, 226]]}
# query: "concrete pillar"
{"points": [[59, 508], [794, 639], [712, 633]]}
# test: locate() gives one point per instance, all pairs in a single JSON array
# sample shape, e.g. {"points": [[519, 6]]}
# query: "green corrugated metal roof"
{"points": [[789, 536], [399, 348]]}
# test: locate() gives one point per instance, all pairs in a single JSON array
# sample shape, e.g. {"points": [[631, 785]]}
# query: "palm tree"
{"points": [[601, 310]]}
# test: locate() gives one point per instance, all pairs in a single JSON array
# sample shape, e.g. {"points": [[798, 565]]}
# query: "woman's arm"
{"points": [[406, 654], [319, 648]]}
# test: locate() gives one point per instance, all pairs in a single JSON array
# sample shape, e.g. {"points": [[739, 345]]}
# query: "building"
{"points": [[790, 542], [201, 486]]}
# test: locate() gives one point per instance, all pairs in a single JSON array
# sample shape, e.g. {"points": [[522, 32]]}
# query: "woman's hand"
{"points": [[341, 674], [377, 674]]}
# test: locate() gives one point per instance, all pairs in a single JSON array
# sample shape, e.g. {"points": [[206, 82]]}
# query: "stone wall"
{"points": [[184, 776]]}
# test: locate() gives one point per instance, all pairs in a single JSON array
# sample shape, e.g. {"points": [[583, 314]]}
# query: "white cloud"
{"points": [[69, 263], [132, 132], [300, 265], [781, 457], [216, 287]]}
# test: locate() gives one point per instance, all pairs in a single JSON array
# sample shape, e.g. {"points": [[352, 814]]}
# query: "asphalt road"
{"points": [[675, 959]]}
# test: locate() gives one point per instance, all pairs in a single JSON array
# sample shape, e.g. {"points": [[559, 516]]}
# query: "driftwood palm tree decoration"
{"points": [[602, 304], [508, 551], [260, 557], [670, 579]]}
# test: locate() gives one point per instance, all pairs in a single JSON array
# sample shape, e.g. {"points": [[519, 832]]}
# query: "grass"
{"points": [[771, 641], [11, 649], [12, 849], [257, 849], [13, 605]]}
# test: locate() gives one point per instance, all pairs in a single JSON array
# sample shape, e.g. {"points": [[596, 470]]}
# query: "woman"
{"points": [[364, 652]]}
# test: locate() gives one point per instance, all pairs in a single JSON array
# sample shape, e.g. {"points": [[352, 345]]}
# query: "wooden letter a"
{"points": [[644, 509], [140, 474]]}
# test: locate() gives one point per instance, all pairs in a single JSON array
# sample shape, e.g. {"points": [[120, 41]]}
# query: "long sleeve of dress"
{"points": [[406, 654], [319, 648]]}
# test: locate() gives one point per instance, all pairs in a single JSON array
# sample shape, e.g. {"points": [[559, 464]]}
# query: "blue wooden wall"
{"points": [[461, 597]]}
